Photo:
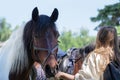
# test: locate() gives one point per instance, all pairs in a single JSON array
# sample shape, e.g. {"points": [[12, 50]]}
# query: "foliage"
{"points": [[118, 30], [68, 40], [109, 15], [5, 30]]}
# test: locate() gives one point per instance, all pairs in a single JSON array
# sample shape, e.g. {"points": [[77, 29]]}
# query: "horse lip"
{"points": [[48, 72]]}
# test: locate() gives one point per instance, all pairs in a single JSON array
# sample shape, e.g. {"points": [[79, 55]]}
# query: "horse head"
{"points": [[41, 40], [37, 41]]}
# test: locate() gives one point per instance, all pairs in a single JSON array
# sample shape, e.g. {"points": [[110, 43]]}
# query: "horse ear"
{"points": [[54, 15], [35, 14]]}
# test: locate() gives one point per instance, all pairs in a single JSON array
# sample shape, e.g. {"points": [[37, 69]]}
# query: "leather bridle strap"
{"points": [[49, 49], [50, 52]]}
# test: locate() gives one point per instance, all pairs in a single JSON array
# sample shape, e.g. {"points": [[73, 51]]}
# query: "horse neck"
{"points": [[77, 66]]}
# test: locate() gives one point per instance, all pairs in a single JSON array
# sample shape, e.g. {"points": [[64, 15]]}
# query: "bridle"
{"points": [[49, 50]]}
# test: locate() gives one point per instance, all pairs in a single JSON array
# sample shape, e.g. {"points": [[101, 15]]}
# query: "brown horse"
{"points": [[71, 62], [36, 42], [84, 52], [79, 61]]}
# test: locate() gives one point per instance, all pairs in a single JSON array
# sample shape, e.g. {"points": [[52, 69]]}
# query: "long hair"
{"points": [[102, 40], [116, 47], [103, 37], [112, 69]]}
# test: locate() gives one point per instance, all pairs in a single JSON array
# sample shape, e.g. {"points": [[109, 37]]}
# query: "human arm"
{"points": [[66, 76]]}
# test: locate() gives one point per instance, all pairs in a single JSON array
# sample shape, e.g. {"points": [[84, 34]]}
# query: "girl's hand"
{"points": [[58, 75], [65, 76]]}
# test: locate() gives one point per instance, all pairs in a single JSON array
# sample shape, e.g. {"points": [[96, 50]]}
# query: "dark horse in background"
{"points": [[36, 42], [72, 61]]}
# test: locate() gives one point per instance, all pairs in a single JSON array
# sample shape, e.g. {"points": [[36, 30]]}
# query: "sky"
{"points": [[73, 14]]}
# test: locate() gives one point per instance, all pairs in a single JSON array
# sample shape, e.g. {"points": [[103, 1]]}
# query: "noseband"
{"points": [[50, 52]]}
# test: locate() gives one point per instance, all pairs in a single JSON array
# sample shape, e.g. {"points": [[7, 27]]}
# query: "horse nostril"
{"points": [[48, 71], [57, 67]]}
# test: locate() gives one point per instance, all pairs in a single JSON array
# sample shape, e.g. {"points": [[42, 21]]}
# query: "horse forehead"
{"points": [[44, 19], [43, 23], [48, 34]]}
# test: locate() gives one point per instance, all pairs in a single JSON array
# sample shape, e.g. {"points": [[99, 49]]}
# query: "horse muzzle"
{"points": [[50, 72]]}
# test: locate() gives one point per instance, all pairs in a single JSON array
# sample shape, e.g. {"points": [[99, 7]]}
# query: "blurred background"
{"points": [[77, 23]]}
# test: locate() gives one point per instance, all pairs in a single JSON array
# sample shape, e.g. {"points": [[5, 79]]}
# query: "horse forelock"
{"points": [[40, 27], [44, 23]]}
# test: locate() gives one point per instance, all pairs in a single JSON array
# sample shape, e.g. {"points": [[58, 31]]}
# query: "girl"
{"points": [[95, 63]]}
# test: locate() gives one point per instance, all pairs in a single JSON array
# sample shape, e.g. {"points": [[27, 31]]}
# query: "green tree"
{"points": [[5, 30], [109, 15], [68, 40], [118, 30]]}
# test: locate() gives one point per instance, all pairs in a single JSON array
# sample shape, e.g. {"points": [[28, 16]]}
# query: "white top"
{"points": [[95, 64]]}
